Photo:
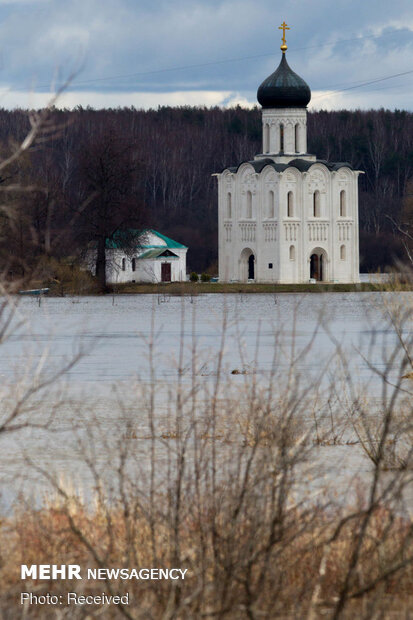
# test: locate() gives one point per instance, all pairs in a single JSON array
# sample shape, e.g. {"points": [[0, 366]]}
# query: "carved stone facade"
{"points": [[294, 123], [285, 216]]}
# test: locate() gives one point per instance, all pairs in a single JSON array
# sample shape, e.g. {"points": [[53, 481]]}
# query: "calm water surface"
{"points": [[112, 335]]}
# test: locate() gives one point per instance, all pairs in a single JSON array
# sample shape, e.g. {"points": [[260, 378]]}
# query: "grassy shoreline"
{"points": [[191, 288], [89, 286]]}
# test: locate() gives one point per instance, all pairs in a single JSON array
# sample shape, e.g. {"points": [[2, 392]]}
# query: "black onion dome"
{"points": [[284, 89]]}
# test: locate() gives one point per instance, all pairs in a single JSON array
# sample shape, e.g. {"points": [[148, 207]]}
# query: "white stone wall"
{"points": [[251, 226], [146, 270], [294, 122]]}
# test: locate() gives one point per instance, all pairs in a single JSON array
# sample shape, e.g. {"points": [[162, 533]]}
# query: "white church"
{"points": [[286, 216]]}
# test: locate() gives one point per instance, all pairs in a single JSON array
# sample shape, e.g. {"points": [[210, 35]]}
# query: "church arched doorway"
{"points": [[318, 265], [251, 267], [247, 265]]}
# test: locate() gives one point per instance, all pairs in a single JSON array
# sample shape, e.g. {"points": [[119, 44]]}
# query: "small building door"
{"points": [[166, 272]]}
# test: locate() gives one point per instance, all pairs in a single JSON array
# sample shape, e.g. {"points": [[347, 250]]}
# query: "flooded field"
{"points": [[113, 333], [128, 350]]}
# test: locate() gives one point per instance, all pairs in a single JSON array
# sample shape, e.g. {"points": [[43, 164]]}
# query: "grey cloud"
{"points": [[118, 37]]}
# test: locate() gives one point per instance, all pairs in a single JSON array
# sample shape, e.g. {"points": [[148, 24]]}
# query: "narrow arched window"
{"points": [[267, 139], [343, 252], [281, 138], [123, 264], [342, 203], [316, 203], [229, 205], [133, 264], [271, 204], [297, 138], [290, 205], [292, 252], [249, 205]]}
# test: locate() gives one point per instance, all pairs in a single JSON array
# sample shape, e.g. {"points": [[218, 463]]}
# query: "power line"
{"points": [[375, 81], [215, 62]]}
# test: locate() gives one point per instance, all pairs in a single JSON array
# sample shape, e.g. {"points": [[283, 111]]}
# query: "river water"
{"points": [[114, 338], [113, 332]]}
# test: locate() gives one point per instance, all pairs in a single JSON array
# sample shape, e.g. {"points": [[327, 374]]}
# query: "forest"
{"points": [[91, 173]]}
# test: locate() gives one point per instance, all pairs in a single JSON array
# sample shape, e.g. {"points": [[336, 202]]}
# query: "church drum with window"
{"points": [[286, 216]]}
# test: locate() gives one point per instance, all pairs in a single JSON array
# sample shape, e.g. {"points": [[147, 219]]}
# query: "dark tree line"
{"points": [[108, 170]]}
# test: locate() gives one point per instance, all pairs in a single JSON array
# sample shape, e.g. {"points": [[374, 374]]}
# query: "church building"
{"points": [[286, 216], [156, 258]]}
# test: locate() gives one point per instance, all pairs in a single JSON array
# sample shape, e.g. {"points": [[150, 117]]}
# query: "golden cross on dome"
{"points": [[284, 27]]}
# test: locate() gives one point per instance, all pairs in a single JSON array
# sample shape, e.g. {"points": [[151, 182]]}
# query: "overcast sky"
{"points": [[146, 53]]}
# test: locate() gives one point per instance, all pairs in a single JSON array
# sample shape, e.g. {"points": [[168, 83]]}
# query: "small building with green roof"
{"points": [[156, 258]]}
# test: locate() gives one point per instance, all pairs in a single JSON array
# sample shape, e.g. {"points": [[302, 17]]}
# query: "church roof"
{"points": [[301, 164], [122, 238], [170, 243], [284, 89], [158, 253]]}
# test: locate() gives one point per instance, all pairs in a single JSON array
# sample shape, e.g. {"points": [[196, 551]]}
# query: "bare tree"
{"points": [[110, 206]]}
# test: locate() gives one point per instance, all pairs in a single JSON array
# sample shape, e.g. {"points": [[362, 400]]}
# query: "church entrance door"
{"points": [[166, 272], [314, 267], [317, 266], [247, 265], [251, 267]]}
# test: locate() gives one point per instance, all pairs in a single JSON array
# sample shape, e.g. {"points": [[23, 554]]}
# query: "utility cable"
{"points": [[219, 62]]}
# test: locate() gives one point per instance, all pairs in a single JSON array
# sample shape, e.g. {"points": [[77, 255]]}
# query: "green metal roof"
{"points": [[169, 242], [158, 252], [121, 239]]}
